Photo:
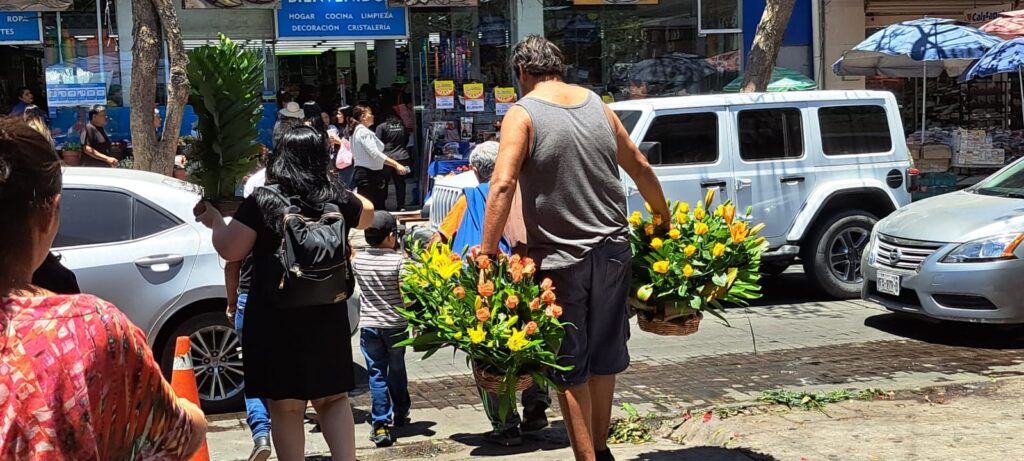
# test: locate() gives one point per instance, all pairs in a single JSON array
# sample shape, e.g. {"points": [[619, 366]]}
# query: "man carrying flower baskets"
{"points": [[564, 146]]}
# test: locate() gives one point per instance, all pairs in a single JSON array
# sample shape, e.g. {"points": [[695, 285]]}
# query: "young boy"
{"points": [[378, 272]]}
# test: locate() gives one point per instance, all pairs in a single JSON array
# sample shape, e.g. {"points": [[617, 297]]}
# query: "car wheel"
{"points": [[833, 257], [216, 359]]}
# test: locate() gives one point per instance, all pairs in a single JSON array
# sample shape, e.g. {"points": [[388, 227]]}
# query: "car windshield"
{"points": [[629, 119], [1006, 183]]}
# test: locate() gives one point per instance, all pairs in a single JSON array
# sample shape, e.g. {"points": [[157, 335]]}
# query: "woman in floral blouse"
{"points": [[77, 380]]}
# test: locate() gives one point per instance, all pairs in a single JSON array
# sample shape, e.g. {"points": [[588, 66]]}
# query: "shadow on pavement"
{"points": [[789, 288], [417, 428], [957, 334], [705, 454], [552, 438]]}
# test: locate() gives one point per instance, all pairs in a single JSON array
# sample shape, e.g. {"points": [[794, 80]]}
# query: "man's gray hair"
{"points": [[538, 57], [482, 159]]}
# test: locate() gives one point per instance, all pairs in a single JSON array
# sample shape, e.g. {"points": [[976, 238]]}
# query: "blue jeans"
{"points": [[389, 385], [256, 415]]}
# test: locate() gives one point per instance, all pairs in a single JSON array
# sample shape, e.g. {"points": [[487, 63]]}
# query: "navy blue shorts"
{"points": [[593, 294]]}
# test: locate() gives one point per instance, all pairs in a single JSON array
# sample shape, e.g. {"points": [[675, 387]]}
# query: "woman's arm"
{"points": [[371, 143], [234, 241]]}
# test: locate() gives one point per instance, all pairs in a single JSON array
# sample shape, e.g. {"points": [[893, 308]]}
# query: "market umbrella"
{"points": [[1003, 58], [1007, 25], [782, 80], [921, 48], [674, 70]]}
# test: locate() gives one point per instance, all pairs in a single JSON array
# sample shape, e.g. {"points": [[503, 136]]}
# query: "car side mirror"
{"points": [[651, 150]]}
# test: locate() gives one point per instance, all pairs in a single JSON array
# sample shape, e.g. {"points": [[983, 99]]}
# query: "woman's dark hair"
{"points": [[30, 178], [358, 113], [538, 57], [311, 115], [300, 169]]}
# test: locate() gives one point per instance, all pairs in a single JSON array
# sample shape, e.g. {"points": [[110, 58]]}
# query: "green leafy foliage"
{"points": [[634, 428], [818, 400], [226, 83]]}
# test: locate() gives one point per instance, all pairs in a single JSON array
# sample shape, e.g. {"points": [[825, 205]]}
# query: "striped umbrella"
{"points": [[783, 79]]}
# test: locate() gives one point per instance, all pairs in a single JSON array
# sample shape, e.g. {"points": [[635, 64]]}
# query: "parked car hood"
{"points": [[954, 218]]}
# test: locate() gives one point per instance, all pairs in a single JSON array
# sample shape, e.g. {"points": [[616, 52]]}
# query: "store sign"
{"points": [[76, 94], [474, 97], [431, 3], [35, 5], [444, 94], [250, 4], [21, 28], [340, 19], [504, 98], [978, 16], [614, 2]]}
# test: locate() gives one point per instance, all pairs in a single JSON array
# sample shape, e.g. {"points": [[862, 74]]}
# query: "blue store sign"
{"points": [[21, 28], [340, 19], [76, 94]]}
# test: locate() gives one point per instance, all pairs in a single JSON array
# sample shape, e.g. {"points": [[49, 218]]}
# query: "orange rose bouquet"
{"points": [[491, 309], [704, 259]]}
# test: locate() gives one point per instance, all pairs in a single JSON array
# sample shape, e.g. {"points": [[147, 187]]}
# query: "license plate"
{"points": [[888, 283]]}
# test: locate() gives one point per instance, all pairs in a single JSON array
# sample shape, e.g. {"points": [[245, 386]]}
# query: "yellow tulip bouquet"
{"points": [[491, 309], [702, 259]]}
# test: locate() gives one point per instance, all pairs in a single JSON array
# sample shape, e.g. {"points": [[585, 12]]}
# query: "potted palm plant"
{"points": [[226, 83]]}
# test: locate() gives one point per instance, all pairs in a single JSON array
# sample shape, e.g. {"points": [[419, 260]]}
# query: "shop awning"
{"points": [[919, 8]]}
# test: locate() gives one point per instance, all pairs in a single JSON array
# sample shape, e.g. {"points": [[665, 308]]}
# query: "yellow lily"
{"points": [[718, 251], [517, 341], [729, 214], [657, 243], [699, 214], [636, 219], [709, 197], [674, 234], [700, 228], [477, 335], [688, 271], [689, 250]]}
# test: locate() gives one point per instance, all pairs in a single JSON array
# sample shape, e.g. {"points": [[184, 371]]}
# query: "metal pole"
{"points": [[1020, 78], [924, 100], [99, 38], [60, 41]]}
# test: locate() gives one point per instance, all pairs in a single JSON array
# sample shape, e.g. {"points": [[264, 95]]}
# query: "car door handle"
{"points": [[792, 179], [154, 262], [743, 183], [709, 183]]}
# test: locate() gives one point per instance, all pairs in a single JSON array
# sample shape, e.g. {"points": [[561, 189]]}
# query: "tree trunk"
{"points": [[767, 41], [154, 19]]}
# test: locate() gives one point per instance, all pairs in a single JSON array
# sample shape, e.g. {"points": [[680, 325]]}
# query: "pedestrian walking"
{"points": [[341, 140], [563, 147], [296, 351], [77, 378], [95, 142], [370, 159], [392, 133], [378, 271]]}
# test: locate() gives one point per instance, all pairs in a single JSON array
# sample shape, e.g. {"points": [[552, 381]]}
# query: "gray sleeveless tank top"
{"points": [[573, 198]]}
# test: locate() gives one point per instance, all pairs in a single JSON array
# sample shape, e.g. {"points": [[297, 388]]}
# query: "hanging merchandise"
{"points": [[474, 97], [444, 94], [504, 98], [466, 128]]}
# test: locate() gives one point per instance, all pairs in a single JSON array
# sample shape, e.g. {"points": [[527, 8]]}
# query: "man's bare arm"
{"points": [[636, 166], [516, 129]]}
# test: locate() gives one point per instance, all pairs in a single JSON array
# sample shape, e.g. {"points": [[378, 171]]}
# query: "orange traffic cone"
{"points": [[183, 380]]}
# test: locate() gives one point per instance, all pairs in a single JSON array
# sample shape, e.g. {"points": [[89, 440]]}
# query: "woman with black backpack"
{"points": [[296, 341]]}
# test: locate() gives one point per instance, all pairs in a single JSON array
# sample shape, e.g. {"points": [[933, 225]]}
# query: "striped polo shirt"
{"points": [[378, 272]]}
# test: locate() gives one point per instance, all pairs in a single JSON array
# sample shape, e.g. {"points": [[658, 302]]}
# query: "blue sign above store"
{"points": [[20, 28], [340, 19]]}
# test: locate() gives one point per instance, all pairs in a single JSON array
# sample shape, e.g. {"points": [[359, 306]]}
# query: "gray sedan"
{"points": [[131, 239], [956, 256]]}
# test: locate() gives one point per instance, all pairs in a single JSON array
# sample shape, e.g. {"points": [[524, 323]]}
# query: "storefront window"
{"points": [[646, 50], [719, 15]]}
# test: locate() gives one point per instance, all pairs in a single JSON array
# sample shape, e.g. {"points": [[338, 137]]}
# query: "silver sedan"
{"points": [[956, 256]]}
